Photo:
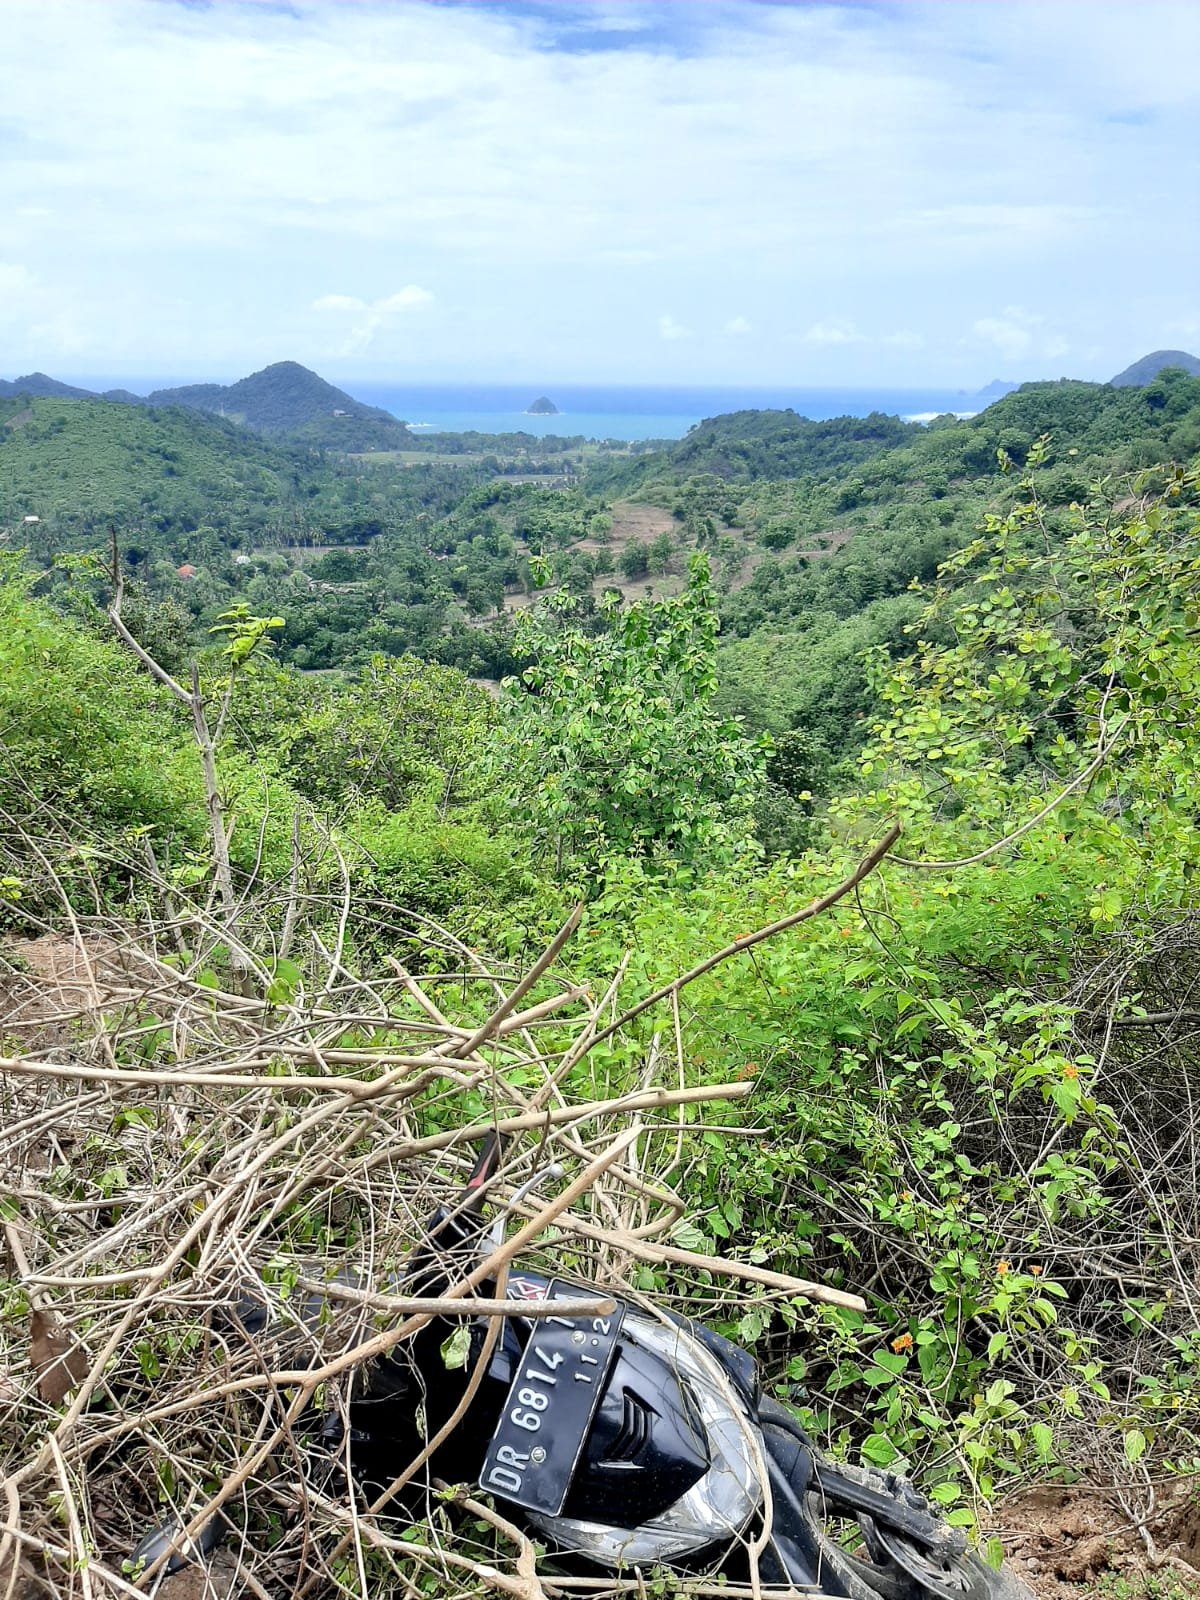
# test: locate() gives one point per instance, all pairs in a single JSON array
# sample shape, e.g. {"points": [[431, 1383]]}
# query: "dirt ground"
{"points": [[631, 520], [1070, 1542], [50, 985]]}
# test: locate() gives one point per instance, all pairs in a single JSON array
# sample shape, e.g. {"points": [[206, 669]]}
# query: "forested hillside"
{"points": [[972, 1077], [285, 397], [815, 531]]}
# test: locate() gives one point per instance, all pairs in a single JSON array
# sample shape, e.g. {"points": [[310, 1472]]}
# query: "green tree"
{"points": [[403, 730], [661, 552], [621, 750], [634, 560]]}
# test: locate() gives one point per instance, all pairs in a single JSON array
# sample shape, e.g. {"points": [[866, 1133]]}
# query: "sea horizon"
{"points": [[638, 412], [626, 412]]}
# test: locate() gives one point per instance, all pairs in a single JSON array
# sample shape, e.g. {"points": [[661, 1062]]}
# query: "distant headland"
{"points": [[542, 407], [1148, 368]]}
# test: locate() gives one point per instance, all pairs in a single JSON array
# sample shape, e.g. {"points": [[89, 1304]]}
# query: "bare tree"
{"points": [[207, 736]]}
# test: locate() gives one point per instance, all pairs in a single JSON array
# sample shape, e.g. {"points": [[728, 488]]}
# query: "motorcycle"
{"points": [[632, 1440]]}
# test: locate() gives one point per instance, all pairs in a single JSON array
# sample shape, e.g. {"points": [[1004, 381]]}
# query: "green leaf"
{"points": [[879, 1450], [688, 1236], [285, 977], [878, 1378], [457, 1348], [1135, 1445]]}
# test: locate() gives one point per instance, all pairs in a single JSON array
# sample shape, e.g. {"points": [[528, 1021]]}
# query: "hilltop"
{"points": [[284, 397], [1149, 367], [37, 385]]}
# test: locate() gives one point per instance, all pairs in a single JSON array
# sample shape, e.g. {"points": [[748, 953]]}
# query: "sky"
{"points": [[717, 191]]}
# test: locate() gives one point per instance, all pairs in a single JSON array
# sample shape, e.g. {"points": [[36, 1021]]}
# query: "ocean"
{"points": [[599, 412]]}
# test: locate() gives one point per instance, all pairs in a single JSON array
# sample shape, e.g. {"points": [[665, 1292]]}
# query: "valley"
{"points": [[447, 701]]}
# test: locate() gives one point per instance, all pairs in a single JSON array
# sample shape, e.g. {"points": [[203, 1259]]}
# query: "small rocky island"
{"points": [[542, 407]]}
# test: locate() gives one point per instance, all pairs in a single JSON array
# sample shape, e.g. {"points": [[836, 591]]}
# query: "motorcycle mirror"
{"points": [[543, 1175]]}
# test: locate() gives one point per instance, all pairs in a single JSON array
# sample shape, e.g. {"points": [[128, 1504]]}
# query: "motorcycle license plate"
{"points": [[550, 1406]]}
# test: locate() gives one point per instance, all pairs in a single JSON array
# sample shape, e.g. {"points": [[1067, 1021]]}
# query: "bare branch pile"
{"points": [[168, 1144]]}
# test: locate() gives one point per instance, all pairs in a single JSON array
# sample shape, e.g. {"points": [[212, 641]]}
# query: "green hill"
{"points": [[78, 464], [1149, 367], [747, 445], [38, 384], [283, 397]]}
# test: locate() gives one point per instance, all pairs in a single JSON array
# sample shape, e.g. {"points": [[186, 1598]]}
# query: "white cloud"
{"points": [[912, 165], [15, 279], [616, 19], [407, 299], [668, 328], [1010, 339], [1020, 335], [372, 317], [834, 333], [739, 327]]}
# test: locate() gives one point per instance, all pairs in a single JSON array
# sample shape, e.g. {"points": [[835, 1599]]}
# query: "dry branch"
{"points": [[169, 1147]]}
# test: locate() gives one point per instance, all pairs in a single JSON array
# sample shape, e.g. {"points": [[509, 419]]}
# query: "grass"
{"points": [[1140, 1586]]}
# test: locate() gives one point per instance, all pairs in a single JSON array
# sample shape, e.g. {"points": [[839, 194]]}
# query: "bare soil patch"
{"points": [[50, 984], [1063, 1541], [633, 520], [636, 521], [658, 585]]}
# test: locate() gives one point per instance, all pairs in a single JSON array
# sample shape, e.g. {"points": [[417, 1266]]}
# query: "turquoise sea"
{"points": [[612, 412], [600, 411]]}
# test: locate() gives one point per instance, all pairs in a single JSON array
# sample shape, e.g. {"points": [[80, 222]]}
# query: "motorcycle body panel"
{"points": [[622, 1443]]}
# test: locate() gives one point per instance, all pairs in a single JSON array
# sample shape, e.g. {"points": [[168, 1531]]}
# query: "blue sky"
{"points": [[703, 191]]}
